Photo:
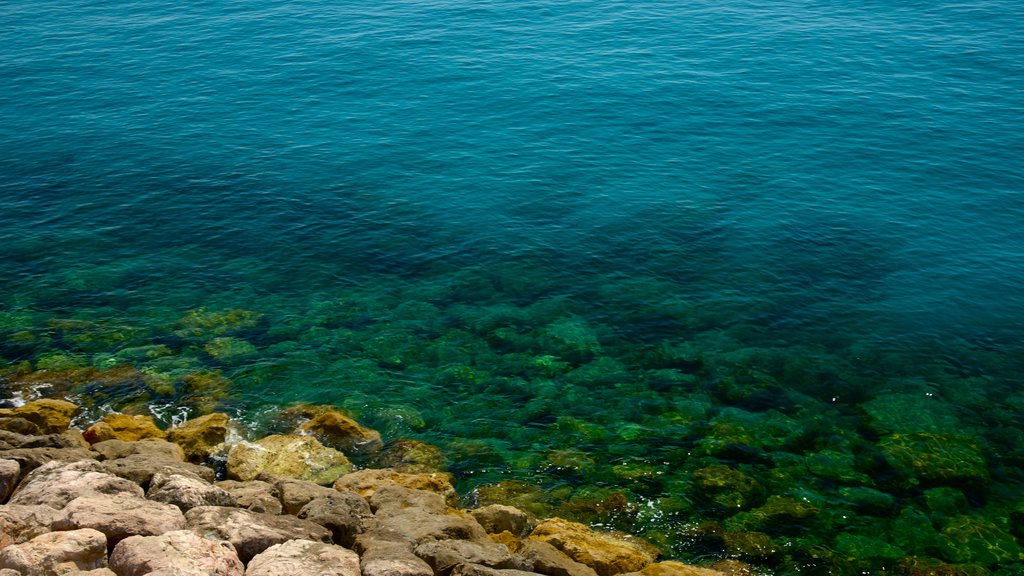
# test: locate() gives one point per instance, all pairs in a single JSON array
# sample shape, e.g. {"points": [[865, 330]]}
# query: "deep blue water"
{"points": [[519, 228]]}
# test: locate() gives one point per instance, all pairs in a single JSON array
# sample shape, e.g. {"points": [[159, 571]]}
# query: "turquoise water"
{"points": [[746, 278]]}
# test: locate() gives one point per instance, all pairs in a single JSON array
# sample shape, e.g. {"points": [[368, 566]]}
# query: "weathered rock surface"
{"points": [[606, 553], [389, 554], [547, 559], [304, 557], [478, 570], [251, 532], [10, 472], [672, 568], [123, 427], [412, 457], [295, 494], [32, 458], [201, 437], [498, 518], [113, 449], [366, 482], [48, 416], [254, 495], [140, 468], [120, 516], [66, 439], [444, 555], [22, 523], [56, 483], [418, 526], [342, 513], [334, 429], [181, 552], [187, 492], [301, 457], [56, 553], [395, 497]]}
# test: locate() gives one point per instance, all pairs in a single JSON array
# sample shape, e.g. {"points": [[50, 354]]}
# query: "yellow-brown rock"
{"points": [[366, 482], [123, 427], [607, 553], [301, 457], [412, 456], [48, 416], [334, 429], [201, 437], [672, 568]]}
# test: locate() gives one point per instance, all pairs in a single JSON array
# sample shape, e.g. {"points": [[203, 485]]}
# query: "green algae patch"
{"points": [[935, 458], [973, 540]]}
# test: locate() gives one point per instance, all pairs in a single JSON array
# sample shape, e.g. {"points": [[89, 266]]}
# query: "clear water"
{"points": [[595, 247]]}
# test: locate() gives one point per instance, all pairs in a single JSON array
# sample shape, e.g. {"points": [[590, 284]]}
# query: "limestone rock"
{"points": [[57, 553], [389, 556], [295, 494], [366, 482], [56, 483], [390, 498], [342, 513], [120, 516], [551, 561], [606, 553], [48, 416], [304, 557], [334, 429], [10, 472], [123, 427], [180, 552], [478, 570], [187, 492], [301, 457], [445, 555], [498, 518], [250, 532], [254, 495], [201, 437], [22, 523], [419, 526], [113, 449], [140, 468], [412, 457], [32, 458]]}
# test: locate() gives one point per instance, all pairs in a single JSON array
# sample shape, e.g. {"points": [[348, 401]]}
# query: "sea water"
{"points": [[743, 277]]}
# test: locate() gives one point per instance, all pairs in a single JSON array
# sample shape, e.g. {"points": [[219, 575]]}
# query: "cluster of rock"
{"points": [[127, 498]]}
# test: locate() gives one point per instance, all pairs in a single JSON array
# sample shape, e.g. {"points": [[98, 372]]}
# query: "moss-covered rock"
{"points": [[301, 457], [779, 514], [202, 323], [936, 458], [972, 540], [412, 456], [728, 488]]}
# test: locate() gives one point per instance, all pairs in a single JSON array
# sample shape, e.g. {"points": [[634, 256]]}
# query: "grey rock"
{"points": [[390, 498], [547, 559], [419, 526], [156, 447], [57, 553], [139, 468], [187, 492], [56, 483], [478, 570], [181, 553], [10, 472], [340, 512], [295, 493], [389, 555], [444, 555], [304, 557], [67, 439], [22, 523], [251, 532], [120, 516], [31, 458], [497, 518], [254, 495]]}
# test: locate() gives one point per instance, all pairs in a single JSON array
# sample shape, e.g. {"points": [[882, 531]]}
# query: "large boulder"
{"points": [[179, 553], [445, 555], [22, 523], [250, 532], [67, 439], [123, 427], [114, 449], [56, 553], [547, 559], [389, 554], [607, 553], [140, 468], [392, 498], [295, 493], [301, 457], [417, 526], [304, 557], [10, 472], [187, 492], [120, 516], [48, 416], [254, 495], [342, 513], [32, 458], [56, 483], [366, 482], [334, 429], [201, 437]]}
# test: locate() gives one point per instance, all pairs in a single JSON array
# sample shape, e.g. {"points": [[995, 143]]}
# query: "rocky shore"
{"points": [[124, 497]]}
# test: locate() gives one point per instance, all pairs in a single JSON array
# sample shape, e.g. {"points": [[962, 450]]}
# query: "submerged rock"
{"points": [[301, 457], [939, 458], [412, 457]]}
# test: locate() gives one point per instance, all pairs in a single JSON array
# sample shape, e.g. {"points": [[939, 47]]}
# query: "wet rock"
{"points": [[445, 555], [974, 540], [31, 458], [304, 557], [909, 413], [551, 561], [254, 495], [749, 545], [48, 416], [123, 427], [201, 437], [727, 487], [251, 532], [939, 458], [56, 483], [180, 552], [342, 513], [140, 468], [606, 553], [301, 457], [56, 553], [497, 518], [10, 472], [779, 514], [187, 492], [114, 449], [334, 429], [412, 457], [295, 494], [366, 482], [731, 567], [22, 523], [119, 516]]}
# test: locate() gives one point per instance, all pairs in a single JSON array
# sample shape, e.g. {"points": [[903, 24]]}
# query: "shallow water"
{"points": [[739, 263]]}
